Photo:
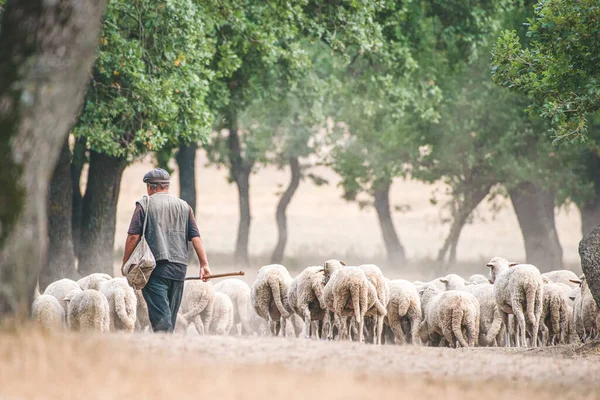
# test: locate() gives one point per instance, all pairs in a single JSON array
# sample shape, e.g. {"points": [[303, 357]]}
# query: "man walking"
{"points": [[169, 227]]}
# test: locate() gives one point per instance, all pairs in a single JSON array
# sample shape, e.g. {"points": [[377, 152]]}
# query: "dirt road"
{"points": [[34, 365]]}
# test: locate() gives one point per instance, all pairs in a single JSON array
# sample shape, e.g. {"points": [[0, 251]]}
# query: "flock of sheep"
{"points": [[515, 306]]}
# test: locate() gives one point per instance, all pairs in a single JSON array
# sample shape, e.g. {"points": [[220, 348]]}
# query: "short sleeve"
{"points": [[192, 230], [136, 225]]}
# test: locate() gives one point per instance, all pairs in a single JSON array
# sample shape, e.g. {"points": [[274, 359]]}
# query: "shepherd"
{"points": [[170, 226]]}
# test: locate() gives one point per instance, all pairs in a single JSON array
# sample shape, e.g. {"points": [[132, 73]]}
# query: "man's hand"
{"points": [[204, 273]]}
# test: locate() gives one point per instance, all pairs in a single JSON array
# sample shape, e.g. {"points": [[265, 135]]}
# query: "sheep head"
{"points": [[497, 265], [331, 266]]}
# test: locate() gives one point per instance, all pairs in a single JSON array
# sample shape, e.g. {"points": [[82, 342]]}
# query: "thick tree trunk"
{"points": [[395, 251], [186, 160], [240, 172], [534, 207], [590, 211], [280, 215], [465, 206], [46, 51], [99, 214], [589, 252], [77, 163], [61, 258]]}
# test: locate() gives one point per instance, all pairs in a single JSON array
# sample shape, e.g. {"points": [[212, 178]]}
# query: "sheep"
{"points": [[375, 276], [197, 304], [269, 296], [239, 293], [93, 281], [48, 313], [563, 276], [305, 296], [554, 326], [447, 314], [453, 282], [404, 305], [222, 315], [518, 289], [60, 289], [88, 310], [142, 319], [122, 302], [586, 313], [437, 282], [478, 279], [347, 293], [491, 327]]}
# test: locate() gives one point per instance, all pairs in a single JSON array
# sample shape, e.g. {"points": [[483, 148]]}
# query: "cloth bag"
{"points": [[140, 265]]}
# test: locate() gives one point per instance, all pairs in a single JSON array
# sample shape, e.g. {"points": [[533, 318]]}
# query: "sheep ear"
{"points": [[343, 263], [572, 298], [512, 264], [577, 281], [491, 281], [443, 280], [489, 265]]}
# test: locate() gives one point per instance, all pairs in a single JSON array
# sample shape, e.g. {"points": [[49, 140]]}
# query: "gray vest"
{"points": [[167, 227]]}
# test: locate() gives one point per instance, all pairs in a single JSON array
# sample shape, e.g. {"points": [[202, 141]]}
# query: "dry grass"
{"points": [[38, 365]]}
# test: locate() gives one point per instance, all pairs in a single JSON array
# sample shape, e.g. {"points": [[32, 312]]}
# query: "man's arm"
{"points": [[201, 253], [130, 243]]}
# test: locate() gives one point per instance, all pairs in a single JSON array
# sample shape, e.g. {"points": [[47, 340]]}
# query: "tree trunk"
{"points": [[395, 251], [589, 252], [590, 211], [46, 51], [99, 214], [61, 257], [77, 163], [465, 206], [534, 207], [280, 215], [186, 160], [240, 172]]}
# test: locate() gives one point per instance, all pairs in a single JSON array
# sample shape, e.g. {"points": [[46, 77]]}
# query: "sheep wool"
{"points": [[88, 311], [404, 308], [122, 304], [93, 281], [269, 296], [222, 315], [59, 289], [197, 304], [238, 292], [48, 313]]}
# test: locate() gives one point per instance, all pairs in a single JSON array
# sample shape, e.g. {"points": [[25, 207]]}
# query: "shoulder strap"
{"points": [[146, 214]]}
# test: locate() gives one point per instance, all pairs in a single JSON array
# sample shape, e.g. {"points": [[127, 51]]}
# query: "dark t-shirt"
{"points": [[164, 268]]}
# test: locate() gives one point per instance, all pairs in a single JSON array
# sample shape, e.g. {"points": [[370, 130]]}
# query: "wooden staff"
{"points": [[239, 273]]}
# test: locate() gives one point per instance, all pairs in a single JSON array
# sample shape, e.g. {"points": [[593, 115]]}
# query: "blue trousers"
{"points": [[163, 297]]}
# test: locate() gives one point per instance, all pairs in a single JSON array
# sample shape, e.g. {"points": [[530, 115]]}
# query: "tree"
{"points": [[44, 66], [558, 68]]}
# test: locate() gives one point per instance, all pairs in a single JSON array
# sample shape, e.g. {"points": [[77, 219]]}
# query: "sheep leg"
{"points": [[343, 330], [283, 326], [198, 324], [520, 317], [305, 312], [504, 317], [396, 326]]}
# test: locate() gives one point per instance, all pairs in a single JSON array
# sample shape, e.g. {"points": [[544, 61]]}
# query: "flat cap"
{"points": [[157, 175]]}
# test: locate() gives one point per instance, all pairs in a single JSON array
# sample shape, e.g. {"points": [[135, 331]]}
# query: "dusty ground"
{"points": [[322, 225], [34, 365]]}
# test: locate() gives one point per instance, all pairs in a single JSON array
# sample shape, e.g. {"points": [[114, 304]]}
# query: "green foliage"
{"points": [[558, 69], [150, 79]]}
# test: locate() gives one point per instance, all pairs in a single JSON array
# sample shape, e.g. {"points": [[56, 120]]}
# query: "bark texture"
{"points": [[280, 215], [77, 162], [46, 51], [534, 207], [240, 170], [99, 214], [395, 251], [61, 257], [589, 252], [186, 160], [465, 206]]}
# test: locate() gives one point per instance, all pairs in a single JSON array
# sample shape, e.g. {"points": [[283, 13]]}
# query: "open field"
{"points": [[322, 225], [35, 365]]}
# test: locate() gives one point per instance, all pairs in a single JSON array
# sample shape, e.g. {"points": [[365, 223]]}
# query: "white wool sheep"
{"points": [[239, 293], [437, 282], [197, 304], [269, 296], [586, 312], [448, 314], [554, 326], [375, 276], [93, 281], [404, 308], [518, 289], [222, 315], [142, 319], [122, 303], [563, 276], [478, 279], [491, 326], [305, 296], [453, 282], [348, 293], [60, 289], [48, 313], [88, 310]]}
